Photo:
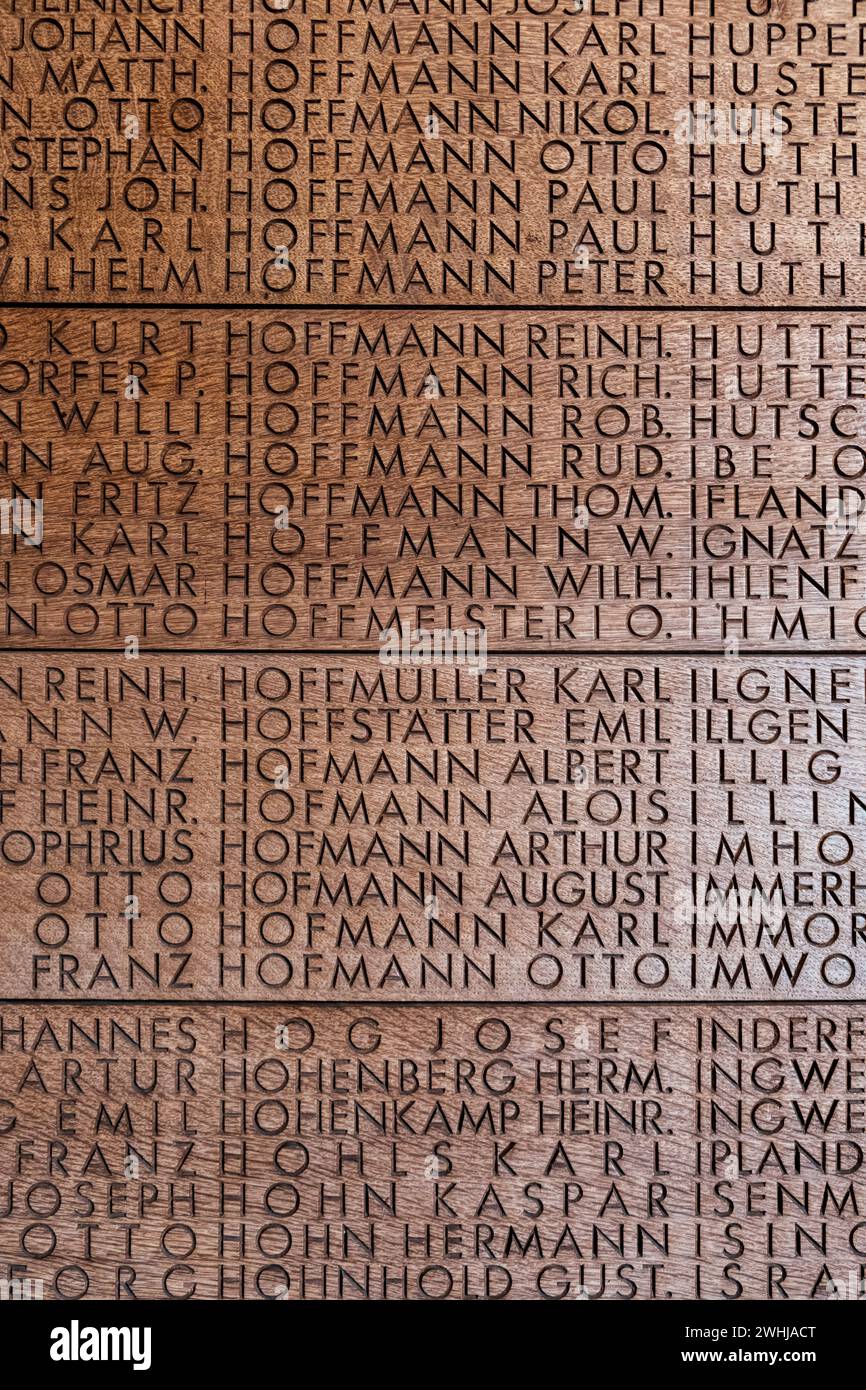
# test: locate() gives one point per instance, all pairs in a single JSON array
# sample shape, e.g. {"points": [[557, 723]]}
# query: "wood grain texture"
{"points": [[548, 829], [526, 1153], [285, 481], [436, 153], [331, 966]]}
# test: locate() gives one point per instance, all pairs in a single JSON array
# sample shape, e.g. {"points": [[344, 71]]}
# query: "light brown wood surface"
{"points": [[323, 976], [522, 1154]]}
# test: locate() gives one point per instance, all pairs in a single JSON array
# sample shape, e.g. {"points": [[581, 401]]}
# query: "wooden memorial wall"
{"points": [[432, 649]]}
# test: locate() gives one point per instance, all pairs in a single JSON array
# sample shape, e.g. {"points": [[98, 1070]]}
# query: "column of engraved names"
{"points": [[437, 1154], [266, 147], [101, 832], [777, 468], [106, 1138], [778, 1125], [441, 832], [269, 558], [517, 474], [431, 1153], [492, 155], [781, 890], [103, 447], [109, 166], [768, 141]]}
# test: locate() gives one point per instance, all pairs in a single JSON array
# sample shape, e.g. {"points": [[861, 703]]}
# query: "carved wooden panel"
{"points": [[432, 664]]}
